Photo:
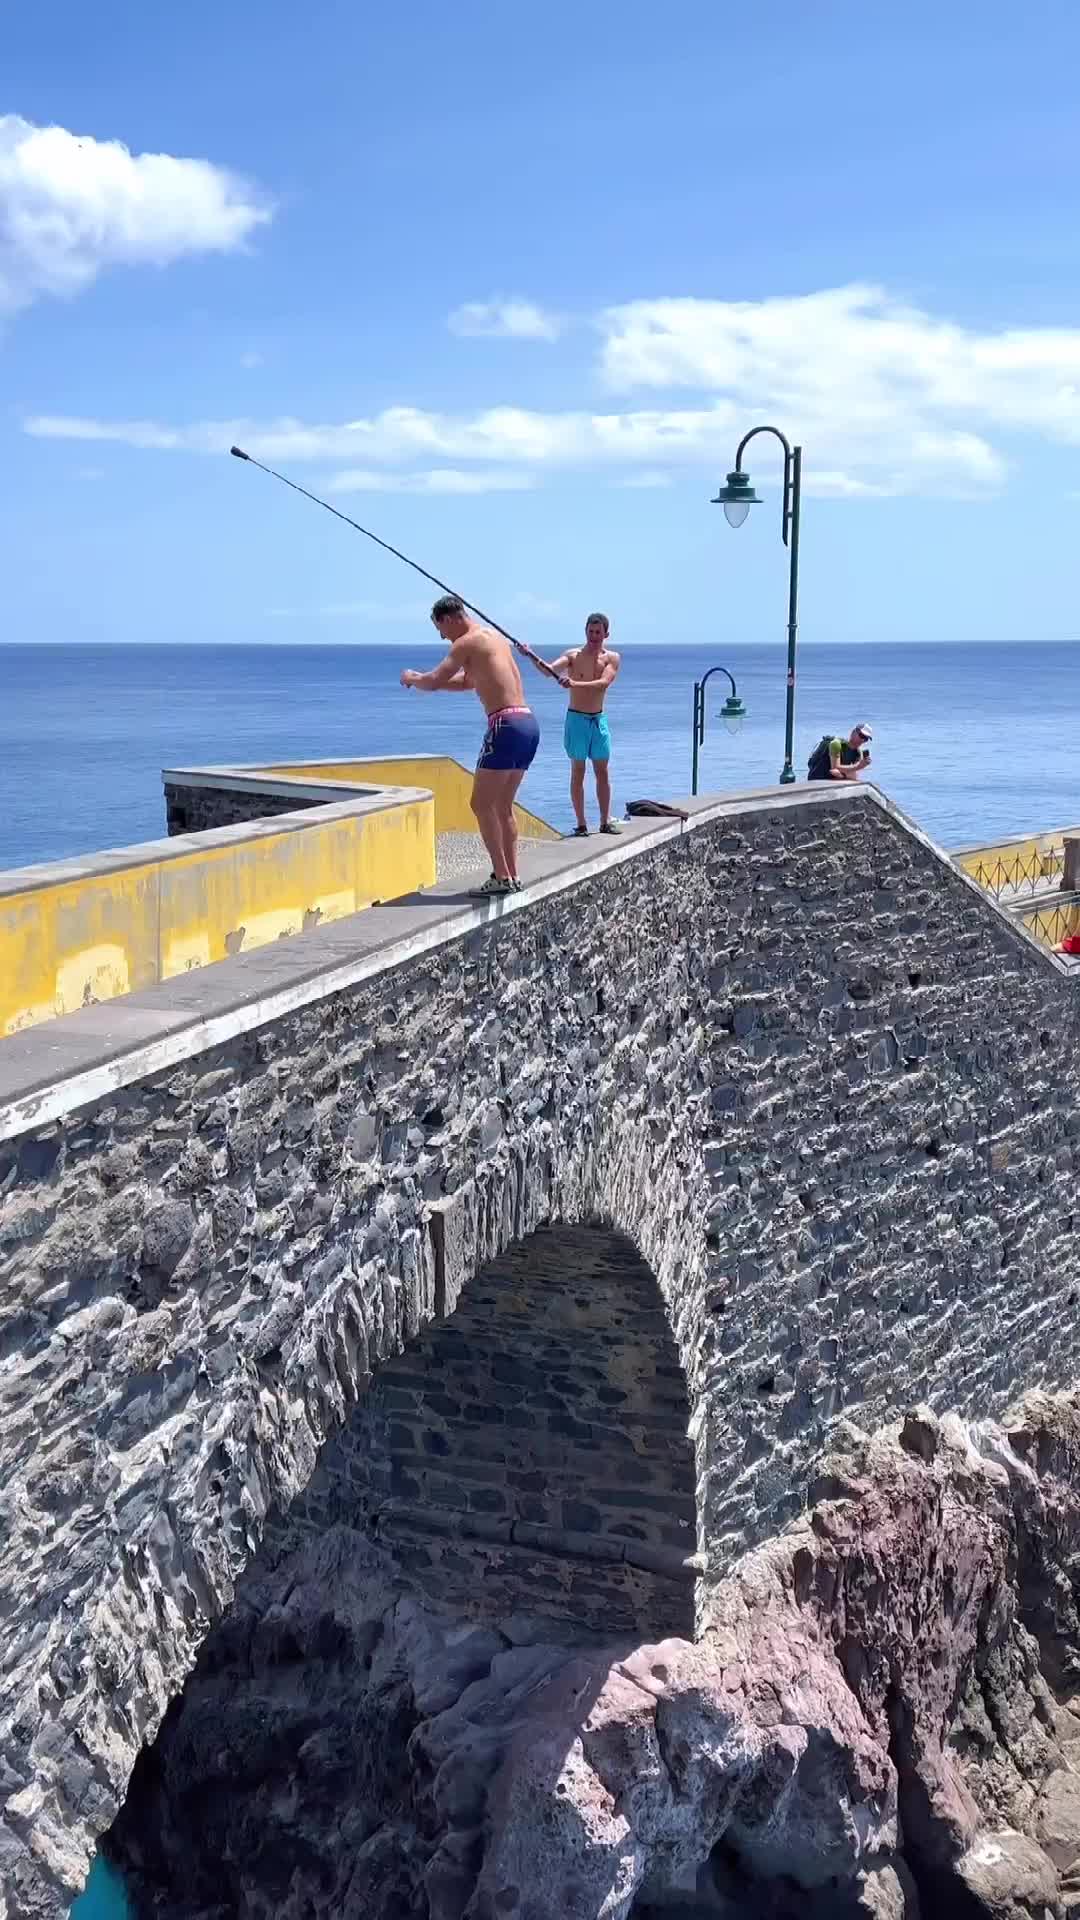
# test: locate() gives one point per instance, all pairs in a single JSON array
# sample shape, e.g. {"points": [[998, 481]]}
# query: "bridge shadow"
{"points": [[525, 1469], [531, 1449]]}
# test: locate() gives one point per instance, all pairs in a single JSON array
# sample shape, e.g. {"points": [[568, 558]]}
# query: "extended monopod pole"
{"points": [[239, 454]]}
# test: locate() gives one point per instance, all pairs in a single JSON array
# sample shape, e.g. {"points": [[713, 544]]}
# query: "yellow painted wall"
{"points": [[82, 940], [447, 779], [104, 934]]}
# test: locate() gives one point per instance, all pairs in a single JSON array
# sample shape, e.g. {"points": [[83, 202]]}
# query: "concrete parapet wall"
{"points": [[197, 798], [449, 781], [823, 1086], [76, 933]]}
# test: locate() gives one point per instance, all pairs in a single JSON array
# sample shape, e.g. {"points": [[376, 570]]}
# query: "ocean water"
{"points": [[972, 741], [103, 1897]]}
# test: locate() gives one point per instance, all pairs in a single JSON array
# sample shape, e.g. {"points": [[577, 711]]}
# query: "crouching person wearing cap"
{"points": [[836, 759]]}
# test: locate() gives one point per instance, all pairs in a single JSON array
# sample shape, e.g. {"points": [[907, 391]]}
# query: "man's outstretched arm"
{"points": [[450, 676]]}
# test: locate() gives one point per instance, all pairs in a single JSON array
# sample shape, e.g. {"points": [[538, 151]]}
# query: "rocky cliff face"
{"points": [[877, 1721]]}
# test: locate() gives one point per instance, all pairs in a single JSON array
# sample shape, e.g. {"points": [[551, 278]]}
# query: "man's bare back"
{"points": [[489, 668], [480, 661]]}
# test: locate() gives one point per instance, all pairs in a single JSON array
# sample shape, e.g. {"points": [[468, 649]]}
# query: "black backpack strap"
{"points": [[821, 759]]}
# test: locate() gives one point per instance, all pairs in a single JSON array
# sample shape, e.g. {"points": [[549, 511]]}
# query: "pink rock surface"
{"points": [[882, 1691]]}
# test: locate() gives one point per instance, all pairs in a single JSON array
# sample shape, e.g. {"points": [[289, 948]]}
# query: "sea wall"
{"points": [[823, 1087], [75, 933], [197, 798]]}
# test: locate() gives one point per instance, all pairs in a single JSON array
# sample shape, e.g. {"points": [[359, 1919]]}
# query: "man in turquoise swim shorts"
{"points": [[586, 735]]}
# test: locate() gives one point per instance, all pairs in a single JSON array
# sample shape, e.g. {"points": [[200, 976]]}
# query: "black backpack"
{"points": [[819, 765]]}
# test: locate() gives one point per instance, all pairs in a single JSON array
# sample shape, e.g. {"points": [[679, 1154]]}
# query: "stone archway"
{"points": [[530, 1451], [515, 1486]]}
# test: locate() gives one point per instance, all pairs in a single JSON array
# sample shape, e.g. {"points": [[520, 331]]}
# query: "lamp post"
{"points": [[737, 497], [732, 713]]}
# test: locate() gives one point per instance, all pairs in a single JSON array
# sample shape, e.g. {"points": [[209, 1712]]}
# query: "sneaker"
{"points": [[611, 826], [492, 889]]}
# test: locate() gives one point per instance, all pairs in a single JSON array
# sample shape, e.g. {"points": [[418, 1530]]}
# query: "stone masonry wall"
{"points": [[200, 1275], [198, 809], [824, 1088], [517, 1452]]}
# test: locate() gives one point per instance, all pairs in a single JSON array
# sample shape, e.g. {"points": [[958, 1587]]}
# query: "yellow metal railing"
{"points": [[1016, 866], [1021, 876], [1050, 924]]}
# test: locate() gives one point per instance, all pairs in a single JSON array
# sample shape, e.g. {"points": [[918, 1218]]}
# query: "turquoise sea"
{"points": [[103, 1898], [973, 741]]}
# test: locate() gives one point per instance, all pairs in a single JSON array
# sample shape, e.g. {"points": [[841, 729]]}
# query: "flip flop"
{"points": [[611, 826], [580, 833]]}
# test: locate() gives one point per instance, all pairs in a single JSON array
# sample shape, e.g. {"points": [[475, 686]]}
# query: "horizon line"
{"points": [[422, 642]]}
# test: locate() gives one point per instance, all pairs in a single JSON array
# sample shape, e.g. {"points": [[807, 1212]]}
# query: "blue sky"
{"points": [[508, 284]]}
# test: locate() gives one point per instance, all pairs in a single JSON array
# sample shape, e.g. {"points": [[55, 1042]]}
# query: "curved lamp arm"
{"points": [[702, 683], [699, 699], [786, 505]]}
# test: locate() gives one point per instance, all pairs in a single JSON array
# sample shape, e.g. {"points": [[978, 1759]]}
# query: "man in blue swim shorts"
{"points": [[481, 661], [586, 735]]}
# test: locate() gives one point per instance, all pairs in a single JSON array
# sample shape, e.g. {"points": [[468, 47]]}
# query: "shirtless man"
{"points": [[481, 662], [586, 735]]}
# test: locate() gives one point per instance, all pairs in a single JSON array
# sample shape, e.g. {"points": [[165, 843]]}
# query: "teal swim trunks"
{"points": [[586, 736]]}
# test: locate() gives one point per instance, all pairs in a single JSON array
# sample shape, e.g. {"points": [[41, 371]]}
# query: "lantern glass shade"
{"points": [[736, 497]]}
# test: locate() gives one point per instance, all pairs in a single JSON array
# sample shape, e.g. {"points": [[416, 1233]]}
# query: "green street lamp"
{"points": [[732, 713], [737, 497]]}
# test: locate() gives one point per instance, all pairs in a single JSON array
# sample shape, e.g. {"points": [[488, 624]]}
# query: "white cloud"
{"points": [[891, 393], [502, 319], [71, 206], [513, 435], [840, 486], [438, 480], [886, 399]]}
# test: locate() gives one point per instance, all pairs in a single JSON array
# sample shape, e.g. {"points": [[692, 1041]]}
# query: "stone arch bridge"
{"points": [[709, 1138]]}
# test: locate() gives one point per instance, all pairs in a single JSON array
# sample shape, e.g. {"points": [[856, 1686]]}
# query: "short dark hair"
{"points": [[603, 619], [448, 607]]}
